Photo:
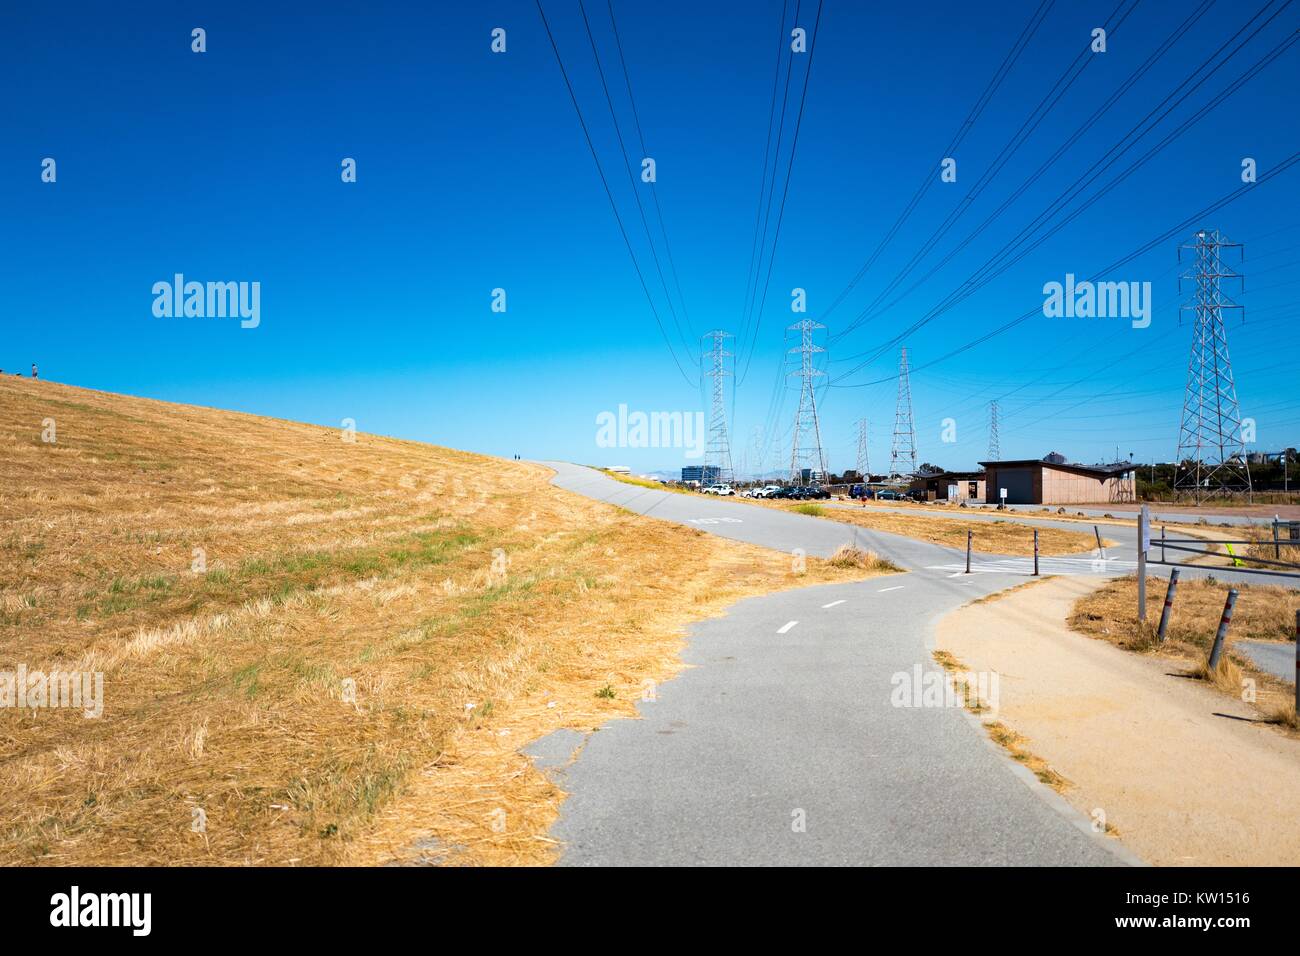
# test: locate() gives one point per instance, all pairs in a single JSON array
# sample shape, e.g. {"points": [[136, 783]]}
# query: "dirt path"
{"points": [[1178, 769]]}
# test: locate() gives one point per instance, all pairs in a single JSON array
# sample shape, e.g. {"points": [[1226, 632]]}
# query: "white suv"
{"points": [[719, 490]]}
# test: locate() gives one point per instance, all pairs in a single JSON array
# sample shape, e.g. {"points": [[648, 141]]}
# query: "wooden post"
{"points": [[1297, 661], [1169, 604], [969, 535], [1222, 633], [1035, 552]]}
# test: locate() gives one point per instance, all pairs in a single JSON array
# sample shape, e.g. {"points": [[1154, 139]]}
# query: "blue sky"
{"points": [[473, 174]]}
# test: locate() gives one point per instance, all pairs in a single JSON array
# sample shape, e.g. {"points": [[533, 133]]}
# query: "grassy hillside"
{"points": [[332, 649]]}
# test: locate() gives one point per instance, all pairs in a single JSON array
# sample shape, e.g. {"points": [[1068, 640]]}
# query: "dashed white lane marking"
{"points": [[786, 627], [896, 587], [832, 604]]}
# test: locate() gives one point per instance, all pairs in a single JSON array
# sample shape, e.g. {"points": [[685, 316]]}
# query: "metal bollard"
{"points": [[1222, 634], [1297, 662], [1035, 552], [1100, 549], [969, 535], [1169, 604]]}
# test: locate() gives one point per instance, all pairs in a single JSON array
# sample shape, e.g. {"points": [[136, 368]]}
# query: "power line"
{"points": [[1017, 48], [785, 192], [1030, 124], [751, 273], [631, 179], [990, 271], [610, 196], [654, 186]]}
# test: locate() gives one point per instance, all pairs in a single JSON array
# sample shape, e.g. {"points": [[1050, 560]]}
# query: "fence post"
{"points": [[1169, 604], [1035, 552], [1144, 532], [1222, 633], [1277, 548], [1297, 661], [1162, 544], [969, 535], [1100, 549]]}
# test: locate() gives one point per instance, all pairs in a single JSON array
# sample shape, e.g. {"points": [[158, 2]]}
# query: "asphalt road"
{"points": [[1276, 659], [781, 745]]}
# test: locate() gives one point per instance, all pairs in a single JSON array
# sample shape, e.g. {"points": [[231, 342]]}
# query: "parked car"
{"points": [[816, 491], [767, 491], [723, 490], [861, 491], [889, 495]]}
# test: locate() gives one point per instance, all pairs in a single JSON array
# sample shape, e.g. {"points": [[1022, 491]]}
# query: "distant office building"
{"points": [[700, 474]]}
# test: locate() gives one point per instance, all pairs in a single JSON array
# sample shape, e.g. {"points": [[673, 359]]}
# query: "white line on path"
{"points": [[833, 603], [786, 627], [897, 587]]}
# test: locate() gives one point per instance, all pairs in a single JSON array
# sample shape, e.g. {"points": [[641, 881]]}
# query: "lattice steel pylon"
{"points": [[717, 453], [1211, 459], [864, 466], [995, 452], [904, 447], [807, 444]]}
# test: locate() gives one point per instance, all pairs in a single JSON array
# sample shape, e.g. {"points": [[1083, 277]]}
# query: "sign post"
{"points": [[1144, 544]]}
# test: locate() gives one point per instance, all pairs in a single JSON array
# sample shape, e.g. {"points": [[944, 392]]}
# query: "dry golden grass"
{"points": [[991, 537], [471, 605], [847, 556], [1262, 613]]}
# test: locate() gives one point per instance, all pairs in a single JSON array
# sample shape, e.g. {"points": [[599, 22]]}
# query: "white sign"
{"points": [[1002, 492]]}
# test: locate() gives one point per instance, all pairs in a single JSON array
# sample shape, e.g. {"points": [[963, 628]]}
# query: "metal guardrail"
{"points": [[1199, 547]]}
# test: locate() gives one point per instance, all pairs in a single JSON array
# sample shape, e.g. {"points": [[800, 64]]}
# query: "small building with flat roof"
{"points": [[1035, 481]]}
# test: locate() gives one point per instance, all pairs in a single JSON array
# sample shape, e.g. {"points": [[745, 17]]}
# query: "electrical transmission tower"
{"points": [[1211, 452], [904, 449], [717, 453], [995, 453], [807, 445], [864, 466]]}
